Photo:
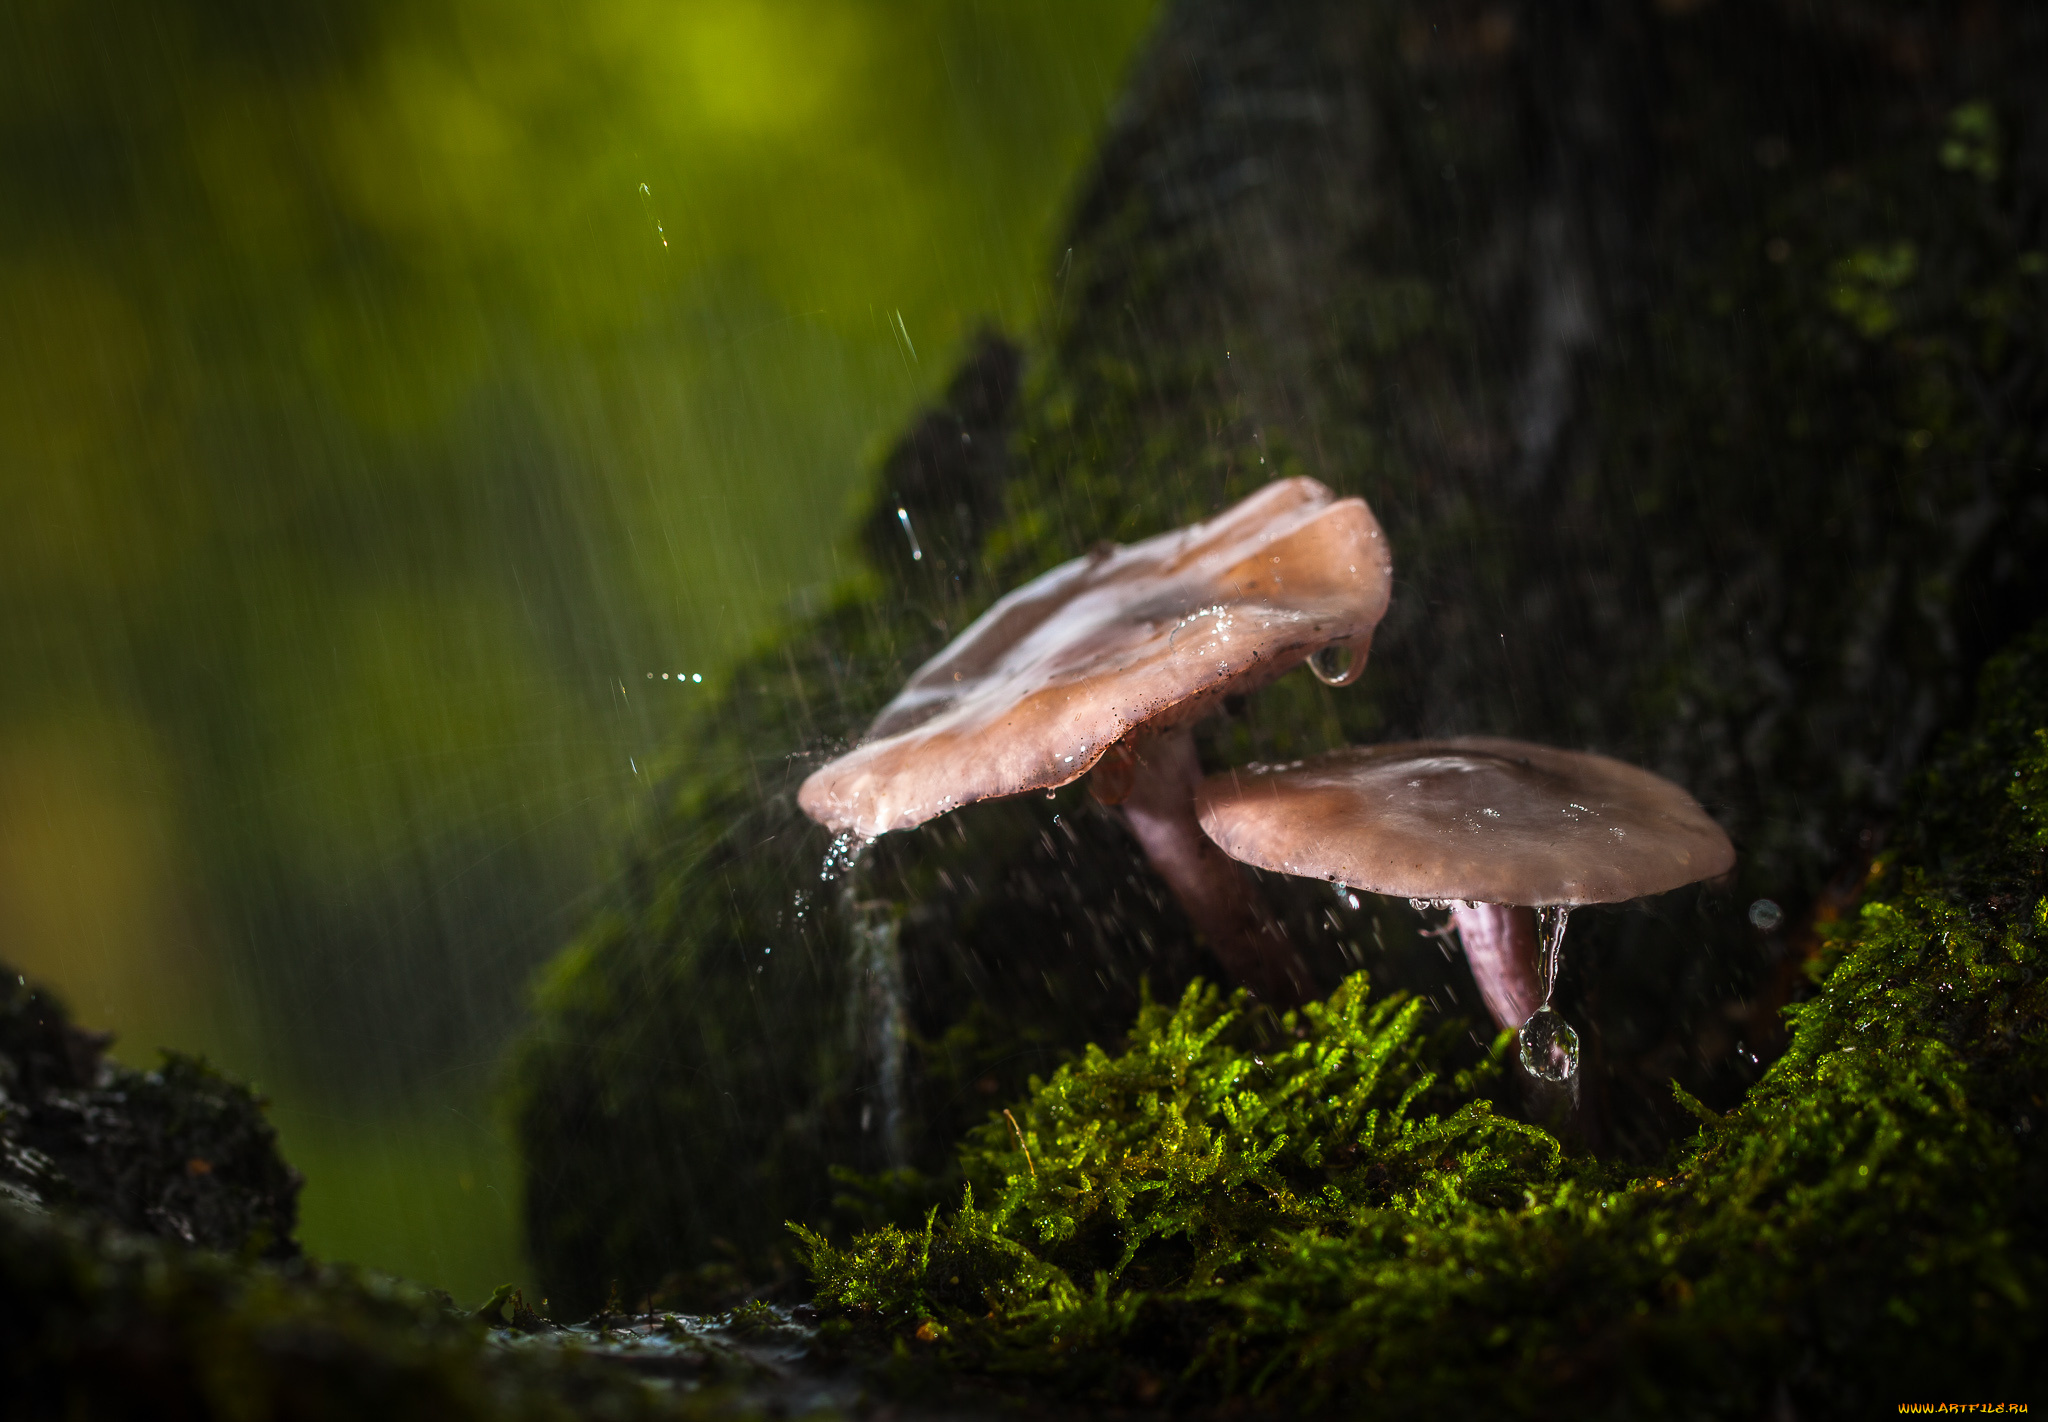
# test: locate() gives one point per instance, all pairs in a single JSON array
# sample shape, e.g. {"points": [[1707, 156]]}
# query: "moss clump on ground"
{"points": [[1202, 1216], [181, 1152]]}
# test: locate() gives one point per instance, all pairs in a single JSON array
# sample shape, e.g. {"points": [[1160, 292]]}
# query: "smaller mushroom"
{"points": [[1104, 664], [1488, 827]]}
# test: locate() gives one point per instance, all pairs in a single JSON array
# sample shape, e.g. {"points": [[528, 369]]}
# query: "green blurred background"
{"points": [[390, 395]]}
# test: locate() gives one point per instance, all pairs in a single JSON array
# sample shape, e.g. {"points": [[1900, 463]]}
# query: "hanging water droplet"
{"points": [[1550, 1048], [1335, 665]]}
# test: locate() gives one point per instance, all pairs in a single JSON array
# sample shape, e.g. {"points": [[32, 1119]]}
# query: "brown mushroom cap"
{"points": [[1475, 818], [1032, 694]]}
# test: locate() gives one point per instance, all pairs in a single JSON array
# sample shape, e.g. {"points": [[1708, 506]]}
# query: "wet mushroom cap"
{"points": [[1031, 695], [1490, 821]]}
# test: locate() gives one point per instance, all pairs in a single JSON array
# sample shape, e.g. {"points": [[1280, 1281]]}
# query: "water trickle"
{"points": [[1335, 665], [1550, 924], [903, 517], [880, 1016], [1550, 1048]]}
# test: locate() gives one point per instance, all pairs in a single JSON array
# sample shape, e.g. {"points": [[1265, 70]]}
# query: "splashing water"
{"points": [[1550, 1048], [841, 855], [903, 517]]}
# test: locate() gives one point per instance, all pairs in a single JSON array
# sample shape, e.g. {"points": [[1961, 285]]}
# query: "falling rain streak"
{"points": [[647, 202]]}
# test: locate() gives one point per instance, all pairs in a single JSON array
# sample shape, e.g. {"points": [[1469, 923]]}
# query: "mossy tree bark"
{"points": [[1693, 356]]}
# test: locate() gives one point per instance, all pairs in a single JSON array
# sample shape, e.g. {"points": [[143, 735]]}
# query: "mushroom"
{"points": [[1105, 663], [1488, 827]]}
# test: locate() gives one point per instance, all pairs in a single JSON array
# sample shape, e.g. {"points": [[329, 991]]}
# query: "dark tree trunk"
{"points": [[1692, 355]]}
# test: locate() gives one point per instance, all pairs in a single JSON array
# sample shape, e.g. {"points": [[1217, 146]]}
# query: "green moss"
{"points": [[1236, 1205], [1183, 1163], [1728, 530]]}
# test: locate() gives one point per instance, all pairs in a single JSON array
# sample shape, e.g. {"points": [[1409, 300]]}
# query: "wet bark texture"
{"points": [[1692, 356]]}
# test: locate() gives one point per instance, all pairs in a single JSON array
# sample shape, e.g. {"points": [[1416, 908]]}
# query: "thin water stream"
{"points": [[878, 1011], [1549, 1046]]}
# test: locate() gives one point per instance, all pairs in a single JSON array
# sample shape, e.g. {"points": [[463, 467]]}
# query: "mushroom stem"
{"points": [[1223, 905], [1500, 945]]}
